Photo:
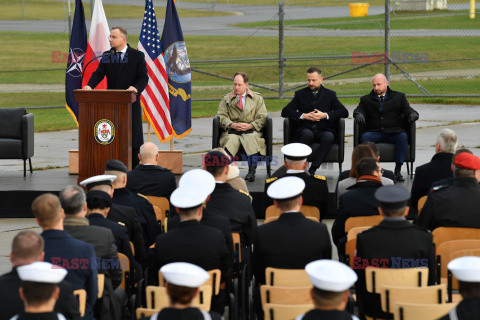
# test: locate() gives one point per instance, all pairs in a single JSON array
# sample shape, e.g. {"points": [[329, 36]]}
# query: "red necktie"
{"points": [[240, 103]]}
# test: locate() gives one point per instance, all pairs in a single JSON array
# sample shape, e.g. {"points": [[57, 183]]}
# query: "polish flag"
{"points": [[97, 43]]}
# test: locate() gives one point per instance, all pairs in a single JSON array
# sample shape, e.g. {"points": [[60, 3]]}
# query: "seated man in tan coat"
{"points": [[243, 115]]}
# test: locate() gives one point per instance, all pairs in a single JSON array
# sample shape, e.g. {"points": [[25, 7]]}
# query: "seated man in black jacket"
{"points": [[315, 111]]}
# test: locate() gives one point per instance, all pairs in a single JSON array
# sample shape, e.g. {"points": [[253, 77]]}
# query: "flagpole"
{"points": [[171, 144], [148, 131]]}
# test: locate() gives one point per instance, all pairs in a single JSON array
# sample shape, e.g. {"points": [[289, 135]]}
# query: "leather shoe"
{"points": [[250, 175], [398, 176]]}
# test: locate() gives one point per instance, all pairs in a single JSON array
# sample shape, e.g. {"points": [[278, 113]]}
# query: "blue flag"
{"points": [[76, 55], [178, 71]]}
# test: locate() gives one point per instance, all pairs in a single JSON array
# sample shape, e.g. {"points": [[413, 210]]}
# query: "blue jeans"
{"points": [[398, 139]]}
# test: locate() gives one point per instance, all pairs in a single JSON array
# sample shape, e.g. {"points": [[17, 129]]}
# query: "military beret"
{"points": [[467, 161], [115, 165], [392, 197], [216, 159]]}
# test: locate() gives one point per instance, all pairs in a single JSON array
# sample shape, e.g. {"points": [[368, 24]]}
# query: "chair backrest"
{"points": [[376, 278], [11, 122], [160, 217], [364, 221], [458, 254], [352, 233], [125, 265], [307, 211], [350, 251], [161, 202], [144, 312], [237, 248], [213, 281], [286, 277], [274, 311], [270, 219], [101, 284], [81, 296], [406, 311], [285, 295], [443, 234], [445, 249], [132, 247], [157, 298], [390, 295], [421, 203]]}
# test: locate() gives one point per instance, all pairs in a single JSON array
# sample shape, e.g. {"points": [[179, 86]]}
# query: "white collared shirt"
{"points": [[295, 171], [123, 51]]}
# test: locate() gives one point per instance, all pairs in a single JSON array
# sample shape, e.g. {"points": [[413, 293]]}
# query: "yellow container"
{"points": [[358, 9]]}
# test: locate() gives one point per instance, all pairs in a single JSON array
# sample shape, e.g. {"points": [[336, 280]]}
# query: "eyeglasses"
{"points": [[380, 170]]}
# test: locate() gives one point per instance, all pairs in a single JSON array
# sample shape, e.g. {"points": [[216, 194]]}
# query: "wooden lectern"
{"points": [[105, 129]]}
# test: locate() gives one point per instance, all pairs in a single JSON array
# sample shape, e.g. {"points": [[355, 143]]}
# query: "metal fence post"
{"points": [[92, 4], [69, 20], [387, 39], [281, 50]]}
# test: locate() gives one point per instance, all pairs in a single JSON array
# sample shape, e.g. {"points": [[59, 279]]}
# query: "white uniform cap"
{"points": [[286, 188], [184, 274], [296, 151], [199, 178], [188, 197], [41, 271], [466, 269], [329, 275], [104, 179]]}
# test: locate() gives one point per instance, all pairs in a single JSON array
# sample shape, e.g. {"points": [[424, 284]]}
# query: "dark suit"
{"points": [[151, 180], [318, 314], [190, 313], [322, 131], [130, 71], [102, 241], [468, 308], [290, 242], [78, 258], [452, 206], [437, 169], [358, 201], [346, 174], [11, 304], [397, 239], [315, 193]]}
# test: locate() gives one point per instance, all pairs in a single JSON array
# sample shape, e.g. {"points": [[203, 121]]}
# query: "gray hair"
{"points": [[72, 199], [447, 140]]}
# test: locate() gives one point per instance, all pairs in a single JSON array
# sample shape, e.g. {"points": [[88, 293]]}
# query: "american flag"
{"points": [[154, 98]]}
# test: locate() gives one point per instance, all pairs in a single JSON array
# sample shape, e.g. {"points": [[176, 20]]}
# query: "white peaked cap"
{"points": [[330, 275], [286, 188], [466, 269], [184, 274], [41, 271]]}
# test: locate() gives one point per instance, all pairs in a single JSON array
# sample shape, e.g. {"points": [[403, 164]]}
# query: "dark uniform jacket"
{"points": [[131, 71], [183, 314], [395, 110], [235, 205], [326, 101], [77, 257], [437, 169], [317, 314], [151, 180], [11, 304], [391, 239], [126, 217], [144, 210], [39, 316], [358, 201], [453, 206], [468, 308], [315, 193], [290, 242], [102, 241]]}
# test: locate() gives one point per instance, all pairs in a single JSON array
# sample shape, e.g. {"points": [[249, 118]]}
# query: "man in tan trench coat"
{"points": [[243, 115]]}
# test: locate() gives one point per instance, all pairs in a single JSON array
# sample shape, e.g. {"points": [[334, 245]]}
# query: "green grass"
{"points": [[306, 3], [55, 10], [405, 20]]}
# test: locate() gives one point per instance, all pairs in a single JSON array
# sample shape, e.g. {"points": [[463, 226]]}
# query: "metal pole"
{"points": [[472, 9], [69, 20], [387, 39], [92, 4], [23, 9], [281, 50]]}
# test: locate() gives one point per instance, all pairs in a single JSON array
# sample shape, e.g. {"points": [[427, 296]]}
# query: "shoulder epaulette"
{"points": [[141, 195], [245, 193], [436, 188], [121, 223], [320, 177], [271, 179]]}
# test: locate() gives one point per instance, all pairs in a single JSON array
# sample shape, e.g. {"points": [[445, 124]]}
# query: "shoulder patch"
{"points": [[436, 188], [245, 193], [121, 223], [320, 177], [271, 179]]}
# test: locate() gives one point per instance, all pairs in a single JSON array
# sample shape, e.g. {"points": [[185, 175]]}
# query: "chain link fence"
{"points": [[430, 48]]}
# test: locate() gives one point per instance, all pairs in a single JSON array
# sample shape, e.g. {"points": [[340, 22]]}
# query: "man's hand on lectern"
{"points": [[87, 88], [131, 88]]}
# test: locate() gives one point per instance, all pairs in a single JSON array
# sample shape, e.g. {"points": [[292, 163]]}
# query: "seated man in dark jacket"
{"points": [[383, 113]]}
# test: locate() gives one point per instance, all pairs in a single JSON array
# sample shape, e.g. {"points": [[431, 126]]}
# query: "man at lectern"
{"points": [[125, 68]]}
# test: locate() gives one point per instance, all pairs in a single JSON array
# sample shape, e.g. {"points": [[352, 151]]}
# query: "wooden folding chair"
{"points": [[352, 233], [160, 216], [285, 295], [81, 296], [274, 311], [160, 202], [421, 203], [363, 221], [451, 281], [445, 249], [286, 277], [443, 234], [101, 284], [213, 281], [270, 219], [125, 265], [307, 211], [414, 311], [377, 278], [132, 247], [390, 295], [145, 312], [157, 298], [351, 245]]}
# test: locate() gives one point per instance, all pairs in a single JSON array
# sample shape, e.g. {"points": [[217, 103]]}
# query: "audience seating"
{"points": [[144, 312], [285, 295], [421, 203], [352, 233], [416, 311], [427, 295], [443, 234], [377, 278], [363, 221], [285, 312], [126, 278], [160, 216], [161, 202], [81, 296], [308, 211], [101, 284], [157, 298], [270, 219], [337, 152], [443, 254], [286, 277]]}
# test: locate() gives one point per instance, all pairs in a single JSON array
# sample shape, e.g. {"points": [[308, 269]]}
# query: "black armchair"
{"points": [[267, 135], [337, 152], [16, 135], [387, 150]]}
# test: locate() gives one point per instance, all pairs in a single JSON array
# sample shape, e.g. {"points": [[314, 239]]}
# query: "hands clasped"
{"points": [[241, 126], [315, 115]]}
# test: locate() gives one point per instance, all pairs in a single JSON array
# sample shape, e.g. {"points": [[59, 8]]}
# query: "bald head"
{"points": [[148, 153], [380, 84]]}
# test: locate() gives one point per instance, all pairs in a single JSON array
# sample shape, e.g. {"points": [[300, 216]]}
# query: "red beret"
{"points": [[467, 161]]}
